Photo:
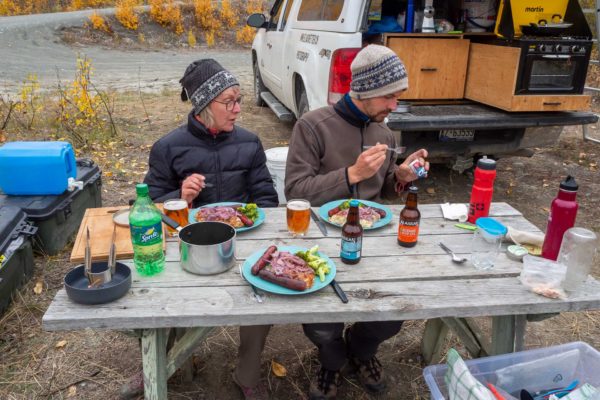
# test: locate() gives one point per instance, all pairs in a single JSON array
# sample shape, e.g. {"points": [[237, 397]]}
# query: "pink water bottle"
{"points": [[562, 217], [483, 189]]}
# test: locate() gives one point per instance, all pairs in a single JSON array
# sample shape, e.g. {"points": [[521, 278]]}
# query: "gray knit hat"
{"points": [[203, 81], [377, 71]]}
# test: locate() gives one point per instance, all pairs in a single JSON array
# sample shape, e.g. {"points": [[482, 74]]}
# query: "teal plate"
{"points": [[273, 288], [324, 210], [259, 220]]}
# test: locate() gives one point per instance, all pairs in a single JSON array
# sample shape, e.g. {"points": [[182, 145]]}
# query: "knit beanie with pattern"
{"points": [[203, 81], [377, 71]]}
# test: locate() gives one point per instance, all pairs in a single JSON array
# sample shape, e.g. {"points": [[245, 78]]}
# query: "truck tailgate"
{"points": [[477, 116]]}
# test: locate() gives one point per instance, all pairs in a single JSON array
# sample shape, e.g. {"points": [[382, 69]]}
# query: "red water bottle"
{"points": [[483, 189], [562, 217]]}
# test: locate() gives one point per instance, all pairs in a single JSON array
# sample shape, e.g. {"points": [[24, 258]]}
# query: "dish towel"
{"points": [[461, 384], [585, 392], [454, 211]]}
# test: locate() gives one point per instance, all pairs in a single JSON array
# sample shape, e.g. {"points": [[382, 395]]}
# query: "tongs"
{"points": [[98, 278]]}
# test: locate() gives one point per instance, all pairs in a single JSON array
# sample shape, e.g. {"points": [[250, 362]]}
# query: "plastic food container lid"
{"points": [[491, 226], [516, 252]]}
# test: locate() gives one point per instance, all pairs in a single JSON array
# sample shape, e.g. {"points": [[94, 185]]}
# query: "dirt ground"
{"points": [[92, 364]]}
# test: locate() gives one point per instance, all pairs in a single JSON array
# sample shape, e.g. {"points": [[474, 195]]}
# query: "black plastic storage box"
{"points": [[58, 217], [16, 261]]}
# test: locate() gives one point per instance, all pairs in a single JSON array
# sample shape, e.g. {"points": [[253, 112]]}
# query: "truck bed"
{"points": [[477, 116]]}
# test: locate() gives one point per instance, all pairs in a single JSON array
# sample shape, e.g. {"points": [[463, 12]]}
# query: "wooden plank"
{"points": [[184, 347], [555, 102], [503, 334], [437, 73], [463, 331], [154, 356], [433, 340], [492, 74], [369, 301], [520, 327], [100, 223]]}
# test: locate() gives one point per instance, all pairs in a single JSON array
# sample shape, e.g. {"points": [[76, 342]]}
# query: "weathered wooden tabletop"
{"points": [[390, 282]]}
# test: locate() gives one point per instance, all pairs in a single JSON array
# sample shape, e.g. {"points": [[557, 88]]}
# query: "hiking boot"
{"points": [[369, 373], [325, 388], [134, 387], [258, 392]]}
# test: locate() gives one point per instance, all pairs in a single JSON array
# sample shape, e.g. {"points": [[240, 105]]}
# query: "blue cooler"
{"points": [[36, 168]]}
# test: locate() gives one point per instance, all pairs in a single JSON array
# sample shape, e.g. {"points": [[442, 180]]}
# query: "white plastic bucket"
{"points": [[276, 159], [481, 14]]}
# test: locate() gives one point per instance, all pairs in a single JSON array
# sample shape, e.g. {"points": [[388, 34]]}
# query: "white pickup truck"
{"points": [[302, 54]]}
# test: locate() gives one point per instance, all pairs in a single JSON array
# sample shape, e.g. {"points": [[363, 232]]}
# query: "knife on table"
{"points": [[339, 291], [319, 222]]}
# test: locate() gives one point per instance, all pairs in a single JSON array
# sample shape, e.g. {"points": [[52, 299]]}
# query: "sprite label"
{"points": [[146, 235]]}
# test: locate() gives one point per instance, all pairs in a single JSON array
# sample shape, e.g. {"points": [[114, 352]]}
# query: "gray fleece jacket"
{"points": [[324, 143]]}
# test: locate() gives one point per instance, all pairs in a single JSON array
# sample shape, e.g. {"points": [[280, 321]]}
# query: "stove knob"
{"points": [[558, 48], [575, 49], [542, 48]]}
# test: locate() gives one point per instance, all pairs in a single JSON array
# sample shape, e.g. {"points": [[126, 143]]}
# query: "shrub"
{"points": [[245, 35], [227, 15], [98, 22], [167, 14], [191, 38], [126, 15]]}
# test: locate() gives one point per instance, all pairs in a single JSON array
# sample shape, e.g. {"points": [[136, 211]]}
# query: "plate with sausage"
{"points": [[372, 215], [241, 216], [278, 269]]}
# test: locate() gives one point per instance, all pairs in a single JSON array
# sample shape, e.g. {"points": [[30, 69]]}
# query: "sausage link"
{"points": [[293, 284], [333, 211], [245, 220], [263, 260], [379, 211]]}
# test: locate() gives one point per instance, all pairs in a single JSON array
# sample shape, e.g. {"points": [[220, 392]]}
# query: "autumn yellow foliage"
{"points": [[126, 15], [191, 38], [167, 14], [206, 15], [78, 106], [99, 23], [29, 103], [81, 4], [245, 35], [227, 14]]}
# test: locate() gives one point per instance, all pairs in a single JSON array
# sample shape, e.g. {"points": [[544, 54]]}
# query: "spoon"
{"points": [[398, 150], [455, 258]]}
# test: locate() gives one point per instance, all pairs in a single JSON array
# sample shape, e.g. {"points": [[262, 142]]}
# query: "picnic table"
{"points": [[390, 283]]}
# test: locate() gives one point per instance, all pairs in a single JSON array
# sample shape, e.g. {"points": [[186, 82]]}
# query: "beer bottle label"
{"points": [[351, 248], [146, 235], [408, 231]]}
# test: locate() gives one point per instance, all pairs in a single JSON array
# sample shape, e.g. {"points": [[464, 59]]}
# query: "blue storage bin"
{"points": [[36, 168]]}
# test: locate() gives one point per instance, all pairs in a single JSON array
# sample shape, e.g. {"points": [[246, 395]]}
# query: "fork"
{"points": [[398, 150], [255, 293]]}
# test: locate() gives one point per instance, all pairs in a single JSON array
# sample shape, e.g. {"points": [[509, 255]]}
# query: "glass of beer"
{"points": [[176, 209], [298, 216]]}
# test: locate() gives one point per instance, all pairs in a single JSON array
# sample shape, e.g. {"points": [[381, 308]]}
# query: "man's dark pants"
{"points": [[365, 338]]}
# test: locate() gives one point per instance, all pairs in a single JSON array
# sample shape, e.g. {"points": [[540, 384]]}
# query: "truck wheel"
{"points": [[303, 105], [259, 87]]}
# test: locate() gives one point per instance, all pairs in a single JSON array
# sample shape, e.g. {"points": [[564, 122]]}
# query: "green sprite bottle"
{"points": [[146, 234]]}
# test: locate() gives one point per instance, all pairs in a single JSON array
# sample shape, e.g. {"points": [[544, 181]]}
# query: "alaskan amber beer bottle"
{"points": [[352, 233], [408, 229]]}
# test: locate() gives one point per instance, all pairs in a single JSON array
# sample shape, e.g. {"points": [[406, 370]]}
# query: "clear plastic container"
{"points": [[486, 243], [538, 369], [577, 253]]}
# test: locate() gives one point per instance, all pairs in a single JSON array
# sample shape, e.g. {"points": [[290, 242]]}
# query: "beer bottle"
{"points": [[408, 229], [352, 233]]}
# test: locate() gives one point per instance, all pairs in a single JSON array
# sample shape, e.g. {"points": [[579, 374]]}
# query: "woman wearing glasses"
{"points": [[210, 160]]}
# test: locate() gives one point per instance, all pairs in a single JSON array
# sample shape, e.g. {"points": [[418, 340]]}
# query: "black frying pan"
{"points": [[76, 284]]}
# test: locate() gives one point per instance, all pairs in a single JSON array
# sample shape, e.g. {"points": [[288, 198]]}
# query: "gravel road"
{"points": [[31, 45]]}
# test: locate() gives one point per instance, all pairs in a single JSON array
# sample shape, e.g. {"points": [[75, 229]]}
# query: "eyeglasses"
{"points": [[230, 104]]}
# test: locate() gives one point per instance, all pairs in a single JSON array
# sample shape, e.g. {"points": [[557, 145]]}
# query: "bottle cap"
{"points": [[141, 189], [569, 184], [486, 163], [413, 189], [353, 203]]}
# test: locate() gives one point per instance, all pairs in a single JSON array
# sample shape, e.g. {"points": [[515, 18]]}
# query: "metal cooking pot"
{"points": [[206, 248]]}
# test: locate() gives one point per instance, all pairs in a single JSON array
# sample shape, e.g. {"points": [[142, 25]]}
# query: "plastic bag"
{"points": [[543, 277]]}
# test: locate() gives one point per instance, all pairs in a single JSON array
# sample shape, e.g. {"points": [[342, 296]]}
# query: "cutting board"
{"points": [[101, 225]]}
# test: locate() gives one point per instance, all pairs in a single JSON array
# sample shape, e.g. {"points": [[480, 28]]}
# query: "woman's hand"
{"points": [[191, 187], [404, 173]]}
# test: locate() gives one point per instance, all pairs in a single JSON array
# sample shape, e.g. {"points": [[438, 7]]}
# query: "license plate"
{"points": [[457, 135]]}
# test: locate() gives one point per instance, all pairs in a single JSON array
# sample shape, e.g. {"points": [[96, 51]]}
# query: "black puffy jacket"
{"points": [[233, 162]]}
